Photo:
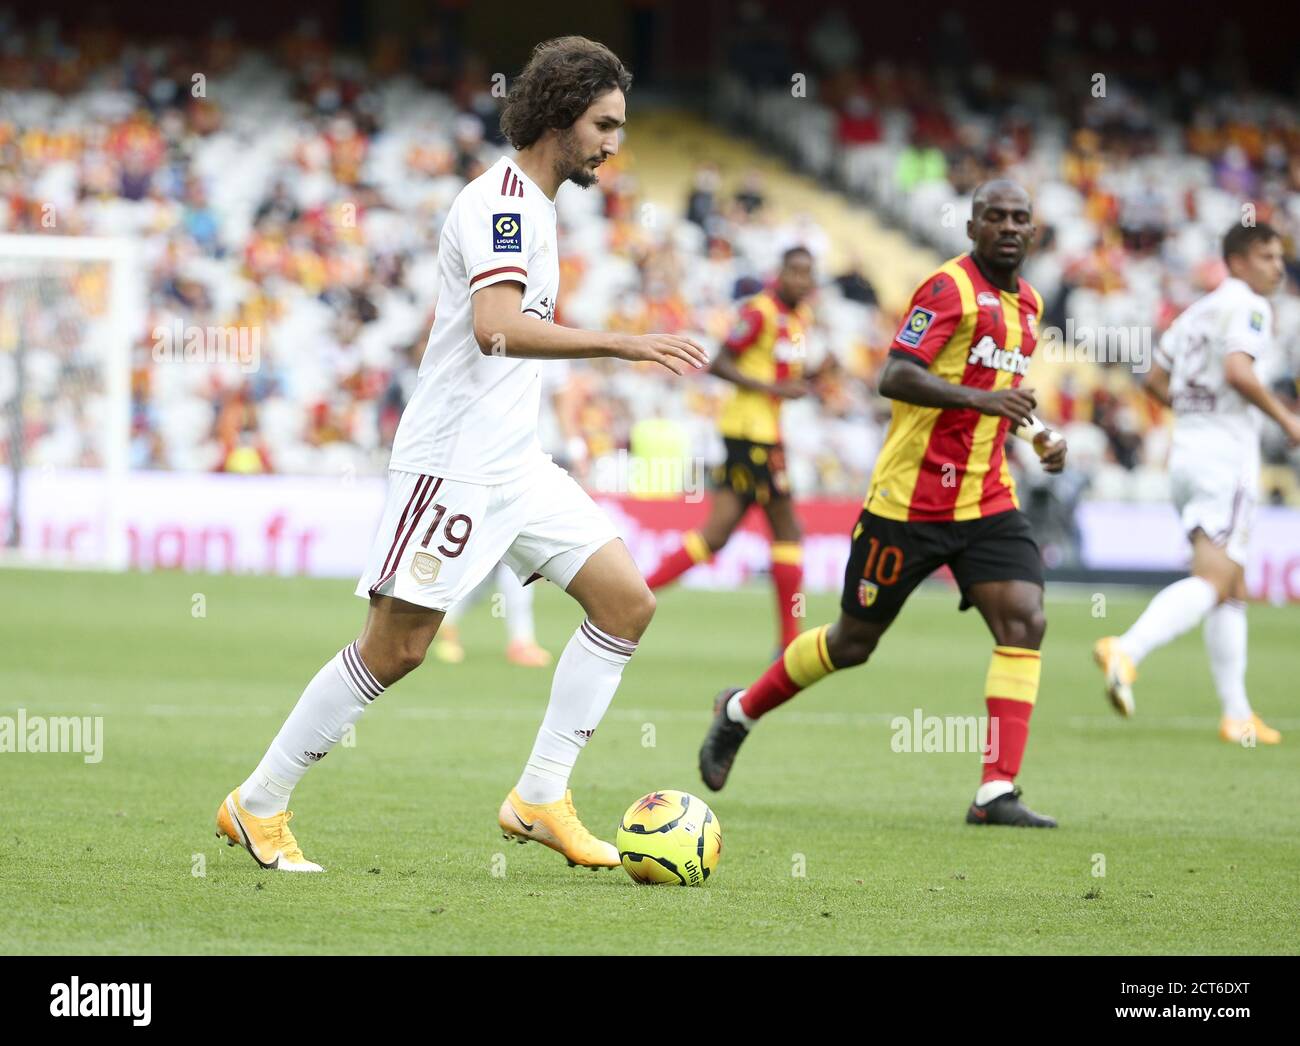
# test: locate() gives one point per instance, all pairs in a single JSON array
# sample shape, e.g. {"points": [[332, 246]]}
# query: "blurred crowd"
{"points": [[1136, 175], [299, 192]]}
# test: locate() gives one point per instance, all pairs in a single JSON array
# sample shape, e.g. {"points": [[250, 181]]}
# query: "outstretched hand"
{"points": [[678, 354]]}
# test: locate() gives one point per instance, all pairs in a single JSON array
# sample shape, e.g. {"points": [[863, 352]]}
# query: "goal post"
{"points": [[71, 310]]}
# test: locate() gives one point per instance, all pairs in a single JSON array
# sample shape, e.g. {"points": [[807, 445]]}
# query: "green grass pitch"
{"points": [[833, 842]]}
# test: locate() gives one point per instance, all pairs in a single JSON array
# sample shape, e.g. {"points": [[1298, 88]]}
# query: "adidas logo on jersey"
{"points": [[987, 354]]}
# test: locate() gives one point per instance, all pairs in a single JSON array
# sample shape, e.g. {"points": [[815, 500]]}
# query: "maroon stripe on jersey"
{"points": [[497, 272], [505, 182], [425, 500], [400, 524], [518, 188]]}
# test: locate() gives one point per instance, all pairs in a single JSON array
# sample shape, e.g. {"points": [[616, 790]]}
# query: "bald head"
{"points": [[1001, 190], [1001, 225]]}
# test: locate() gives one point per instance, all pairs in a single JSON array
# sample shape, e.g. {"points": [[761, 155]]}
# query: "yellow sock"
{"points": [[1010, 689], [1013, 674], [807, 659], [696, 547], [787, 552]]}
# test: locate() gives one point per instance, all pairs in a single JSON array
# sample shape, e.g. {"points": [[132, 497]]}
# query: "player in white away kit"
{"points": [[469, 485], [1204, 369]]}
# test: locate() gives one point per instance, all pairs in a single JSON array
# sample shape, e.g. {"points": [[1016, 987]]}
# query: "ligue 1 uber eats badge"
{"points": [[505, 233]]}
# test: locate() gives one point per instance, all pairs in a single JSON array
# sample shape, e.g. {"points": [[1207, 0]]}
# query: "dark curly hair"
{"points": [[562, 78], [1240, 238]]}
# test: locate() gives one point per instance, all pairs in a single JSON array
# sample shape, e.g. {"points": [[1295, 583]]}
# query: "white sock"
{"points": [[990, 790], [585, 680], [1225, 640], [334, 699], [1170, 613], [518, 602], [737, 714]]}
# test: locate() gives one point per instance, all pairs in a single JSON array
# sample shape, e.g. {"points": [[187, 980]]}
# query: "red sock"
{"points": [[1007, 747], [674, 565], [804, 661], [787, 577], [774, 687]]}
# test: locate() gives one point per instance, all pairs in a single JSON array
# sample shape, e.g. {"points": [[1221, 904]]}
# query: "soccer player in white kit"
{"points": [[468, 484], [1204, 369]]}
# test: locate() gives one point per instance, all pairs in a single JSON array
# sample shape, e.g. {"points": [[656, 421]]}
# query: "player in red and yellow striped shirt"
{"points": [[941, 494], [764, 363]]}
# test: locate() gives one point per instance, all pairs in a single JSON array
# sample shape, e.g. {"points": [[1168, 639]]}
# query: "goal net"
{"points": [[71, 310]]}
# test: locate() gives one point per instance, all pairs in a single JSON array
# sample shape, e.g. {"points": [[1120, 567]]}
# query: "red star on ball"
{"points": [[651, 801]]}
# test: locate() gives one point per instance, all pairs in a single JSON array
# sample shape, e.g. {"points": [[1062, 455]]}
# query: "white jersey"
{"points": [[473, 418], [1212, 420]]}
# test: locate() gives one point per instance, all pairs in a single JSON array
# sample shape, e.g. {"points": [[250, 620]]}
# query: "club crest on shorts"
{"points": [[424, 567], [867, 592]]}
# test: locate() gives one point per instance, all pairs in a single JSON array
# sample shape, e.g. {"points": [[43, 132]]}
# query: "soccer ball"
{"points": [[669, 837]]}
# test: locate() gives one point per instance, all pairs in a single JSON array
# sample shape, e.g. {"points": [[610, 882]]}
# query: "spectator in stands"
{"points": [[854, 285], [700, 204]]}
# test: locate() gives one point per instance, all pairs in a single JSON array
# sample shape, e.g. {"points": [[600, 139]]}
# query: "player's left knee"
{"points": [[627, 615], [643, 610], [1025, 630]]}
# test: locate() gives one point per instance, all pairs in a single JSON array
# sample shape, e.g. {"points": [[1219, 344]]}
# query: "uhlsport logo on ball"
{"points": [[668, 838]]}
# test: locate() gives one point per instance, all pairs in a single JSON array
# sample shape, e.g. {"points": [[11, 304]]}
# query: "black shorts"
{"points": [[754, 472], [889, 558]]}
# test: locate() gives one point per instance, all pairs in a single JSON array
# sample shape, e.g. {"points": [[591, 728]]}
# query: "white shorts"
{"points": [[1217, 498], [439, 538]]}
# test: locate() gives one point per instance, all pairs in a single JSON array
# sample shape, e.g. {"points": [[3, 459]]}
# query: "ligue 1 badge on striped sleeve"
{"points": [[505, 233], [424, 568], [867, 592], [918, 322]]}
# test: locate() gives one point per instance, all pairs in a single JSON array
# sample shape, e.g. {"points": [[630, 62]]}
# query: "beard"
{"points": [[574, 166], [582, 177]]}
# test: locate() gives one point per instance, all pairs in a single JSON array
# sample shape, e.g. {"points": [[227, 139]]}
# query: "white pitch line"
{"points": [[491, 713]]}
